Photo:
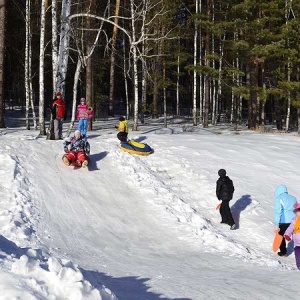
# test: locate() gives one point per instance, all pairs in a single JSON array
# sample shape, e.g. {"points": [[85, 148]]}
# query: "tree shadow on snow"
{"points": [[11, 248], [125, 288], [239, 206], [92, 166]]}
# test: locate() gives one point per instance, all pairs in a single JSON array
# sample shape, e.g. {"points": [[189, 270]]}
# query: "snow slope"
{"points": [[144, 228]]}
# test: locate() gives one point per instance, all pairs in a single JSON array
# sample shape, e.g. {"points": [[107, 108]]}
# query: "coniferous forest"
{"points": [[209, 60]]}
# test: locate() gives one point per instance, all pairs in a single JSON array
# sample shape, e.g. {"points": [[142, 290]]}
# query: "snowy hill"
{"points": [[144, 228]]}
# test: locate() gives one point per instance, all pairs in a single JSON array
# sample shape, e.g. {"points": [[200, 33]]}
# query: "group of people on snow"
{"points": [[77, 148], [286, 213]]}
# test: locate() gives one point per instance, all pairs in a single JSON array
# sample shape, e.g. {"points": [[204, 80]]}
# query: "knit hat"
{"points": [[58, 94], [121, 119], [222, 172], [296, 206], [77, 132]]}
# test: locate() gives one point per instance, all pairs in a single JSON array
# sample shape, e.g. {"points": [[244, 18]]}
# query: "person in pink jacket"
{"points": [[293, 232], [83, 115]]}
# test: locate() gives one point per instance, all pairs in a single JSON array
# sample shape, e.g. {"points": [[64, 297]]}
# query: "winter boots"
{"points": [[65, 160], [85, 163]]}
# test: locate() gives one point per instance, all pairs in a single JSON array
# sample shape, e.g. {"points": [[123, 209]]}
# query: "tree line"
{"points": [[209, 59]]}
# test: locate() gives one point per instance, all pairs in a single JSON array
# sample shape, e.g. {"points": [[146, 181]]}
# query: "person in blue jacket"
{"points": [[283, 213]]}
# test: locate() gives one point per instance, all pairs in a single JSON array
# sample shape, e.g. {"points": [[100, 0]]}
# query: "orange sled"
{"points": [[277, 241]]}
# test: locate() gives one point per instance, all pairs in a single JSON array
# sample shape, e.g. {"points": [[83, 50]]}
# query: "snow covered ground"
{"points": [[144, 228]]}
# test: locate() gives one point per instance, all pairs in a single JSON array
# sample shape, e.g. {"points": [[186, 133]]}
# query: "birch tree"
{"points": [[54, 44], [63, 54], [27, 62], [41, 73]]}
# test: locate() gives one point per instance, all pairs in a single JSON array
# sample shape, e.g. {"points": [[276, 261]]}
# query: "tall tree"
{"points": [[41, 73], [112, 60], [2, 44]]}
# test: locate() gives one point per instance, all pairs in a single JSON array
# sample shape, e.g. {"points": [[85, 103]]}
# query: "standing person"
{"points": [[123, 130], [283, 213], [78, 152], [83, 115], [293, 232], [58, 114], [224, 192]]}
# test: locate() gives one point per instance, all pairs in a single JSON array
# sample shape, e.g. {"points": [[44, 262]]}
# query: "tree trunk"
{"points": [[155, 92], [27, 63], [195, 64], [41, 73], [135, 68], [112, 61], [54, 45], [63, 54], [2, 43]]}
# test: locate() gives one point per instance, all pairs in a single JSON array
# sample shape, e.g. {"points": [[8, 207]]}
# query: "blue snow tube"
{"points": [[135, 147]]}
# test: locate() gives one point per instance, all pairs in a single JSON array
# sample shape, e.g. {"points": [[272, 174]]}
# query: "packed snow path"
{"points": [[147, 228]]}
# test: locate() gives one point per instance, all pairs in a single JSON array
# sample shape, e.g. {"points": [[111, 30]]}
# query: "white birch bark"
{"points": [[54, 44], [27, 79], [219, 93], [75, 86], [41, 73], [63, 54], [135, 68]]}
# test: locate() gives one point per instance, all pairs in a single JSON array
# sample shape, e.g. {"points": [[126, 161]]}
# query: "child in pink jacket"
{"points": [[83, 115], [293, 232]]}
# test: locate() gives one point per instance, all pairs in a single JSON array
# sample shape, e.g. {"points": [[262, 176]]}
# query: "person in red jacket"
{"points": [[58, 114]]}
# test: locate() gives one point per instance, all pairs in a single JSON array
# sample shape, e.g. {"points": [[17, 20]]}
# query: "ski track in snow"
{"points": [[183, 202]]}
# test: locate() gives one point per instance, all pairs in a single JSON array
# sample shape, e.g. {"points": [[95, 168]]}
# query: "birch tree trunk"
{"points": [[89, 64], [135, 68], [54, 45], [75, 87], [27, 66], [144, 71], [41, 74], [112, 61], [63, 54]]}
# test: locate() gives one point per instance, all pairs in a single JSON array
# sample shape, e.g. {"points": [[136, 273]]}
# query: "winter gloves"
{"points": [[287, 238], [66, 149]]}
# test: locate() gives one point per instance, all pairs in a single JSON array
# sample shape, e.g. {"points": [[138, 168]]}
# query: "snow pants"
{"points": [[122, 136], [82, 126], [282, 228], [297, 256], [73, 156], [58, 128], [226, 213]]}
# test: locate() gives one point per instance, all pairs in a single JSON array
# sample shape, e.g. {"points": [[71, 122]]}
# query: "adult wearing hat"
{"points": [[283, 213], [224, 192], [58, 111]]}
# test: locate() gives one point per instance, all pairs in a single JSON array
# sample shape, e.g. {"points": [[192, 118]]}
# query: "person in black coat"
{"points": [[224, 192]]}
